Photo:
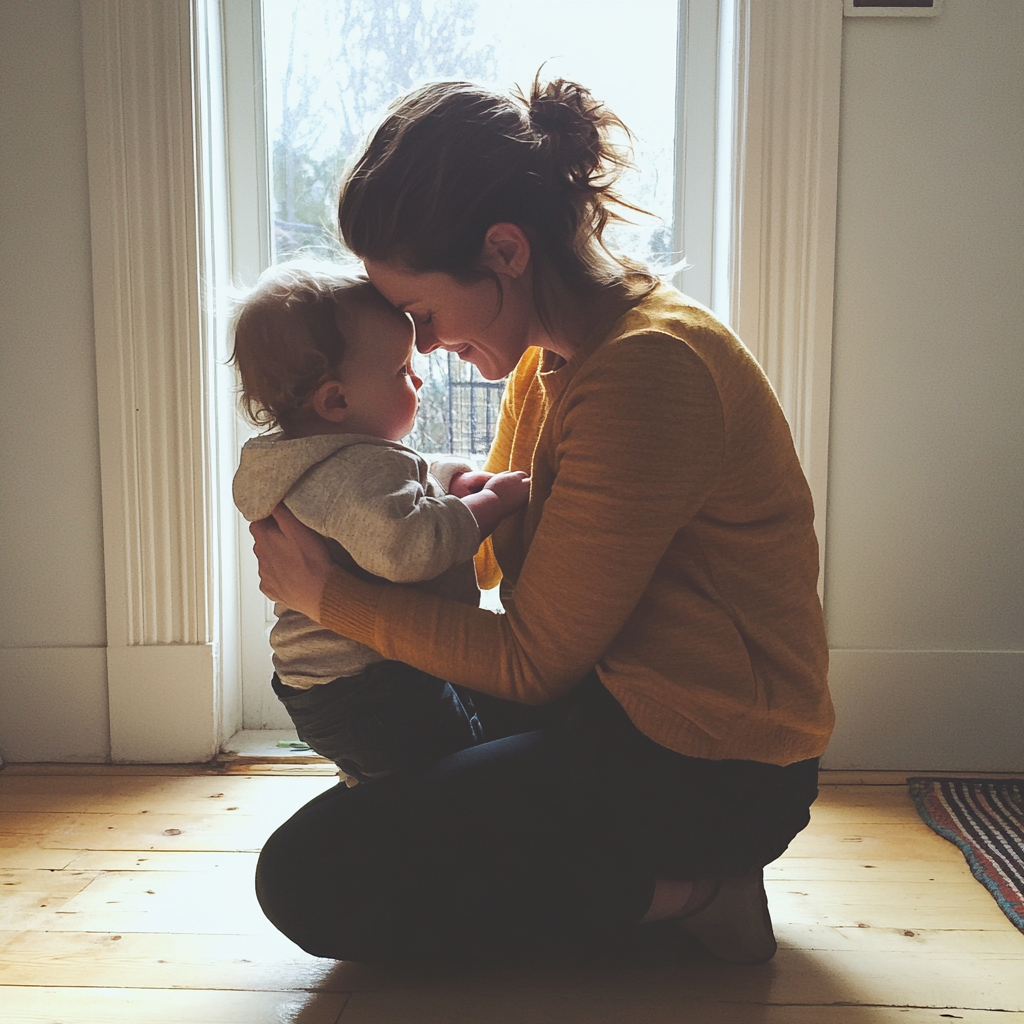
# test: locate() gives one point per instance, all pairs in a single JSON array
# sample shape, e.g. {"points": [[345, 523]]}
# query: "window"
{"points": [[331, 68], [305, 79]]}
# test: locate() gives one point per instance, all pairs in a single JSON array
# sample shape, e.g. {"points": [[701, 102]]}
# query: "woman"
{"points": [[663, 641]]}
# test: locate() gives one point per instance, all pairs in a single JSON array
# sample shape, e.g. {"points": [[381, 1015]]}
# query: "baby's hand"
{"points": [[512, 488], [500, 496], [468, 482]]}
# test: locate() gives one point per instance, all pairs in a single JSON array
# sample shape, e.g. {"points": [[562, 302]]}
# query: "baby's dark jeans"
{"points": [[388, 718]]}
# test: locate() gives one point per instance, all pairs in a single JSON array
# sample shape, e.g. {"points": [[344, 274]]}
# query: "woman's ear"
{"points": [[506, 249], [328, 401]]}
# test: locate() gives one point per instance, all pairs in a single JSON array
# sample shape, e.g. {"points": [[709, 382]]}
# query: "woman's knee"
{"points": [[285, 892], [326, 877]]}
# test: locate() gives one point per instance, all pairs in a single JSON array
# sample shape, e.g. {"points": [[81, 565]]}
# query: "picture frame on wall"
{"points": [[892, 8]]}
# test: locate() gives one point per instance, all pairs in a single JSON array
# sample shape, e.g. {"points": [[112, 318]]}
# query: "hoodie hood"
{"points": [[270, 465]]}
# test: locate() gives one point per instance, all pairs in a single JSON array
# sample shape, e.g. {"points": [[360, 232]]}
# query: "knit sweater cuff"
{"points": [[445, 467], [349, 607]]}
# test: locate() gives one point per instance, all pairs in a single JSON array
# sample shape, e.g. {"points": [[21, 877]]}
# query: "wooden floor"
{"points": [[126, 896]]}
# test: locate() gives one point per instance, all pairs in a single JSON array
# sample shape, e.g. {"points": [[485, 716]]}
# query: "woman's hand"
{"points": [[294, 561]]}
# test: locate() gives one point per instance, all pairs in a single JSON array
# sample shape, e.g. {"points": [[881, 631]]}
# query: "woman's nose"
{"points": [[426, 340], [417, 380]]}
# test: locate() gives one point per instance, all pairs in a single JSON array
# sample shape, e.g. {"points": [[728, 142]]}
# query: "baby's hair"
{"points": [[289, 335]]}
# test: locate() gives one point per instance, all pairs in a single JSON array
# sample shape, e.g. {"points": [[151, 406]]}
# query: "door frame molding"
{"points": [[154, 355]]}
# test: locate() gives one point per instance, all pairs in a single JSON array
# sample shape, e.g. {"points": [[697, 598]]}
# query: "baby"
{"points": [[326, 360]]}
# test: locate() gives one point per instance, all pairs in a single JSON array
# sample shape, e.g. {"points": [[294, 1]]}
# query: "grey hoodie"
{"points": [[384, 515]]}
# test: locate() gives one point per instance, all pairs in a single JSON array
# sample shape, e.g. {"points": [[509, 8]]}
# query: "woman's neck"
{"points": [[578, 316]]}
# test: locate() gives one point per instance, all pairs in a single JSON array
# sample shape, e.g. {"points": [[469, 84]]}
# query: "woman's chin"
{"points": [[487, 368]]}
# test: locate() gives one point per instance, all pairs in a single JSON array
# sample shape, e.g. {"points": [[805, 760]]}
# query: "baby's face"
{"points": [[380, 387]]}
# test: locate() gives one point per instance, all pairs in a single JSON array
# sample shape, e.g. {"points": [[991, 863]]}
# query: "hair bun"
{"points": [[572, 127]]}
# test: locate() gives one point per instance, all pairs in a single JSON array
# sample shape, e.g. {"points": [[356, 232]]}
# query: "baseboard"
{"points": [[54, 702], [927, 711], [837, 777], [902, 711], [163, 704]]}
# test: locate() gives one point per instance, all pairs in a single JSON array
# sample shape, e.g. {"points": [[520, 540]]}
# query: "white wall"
{"points": [[53, 698], [925, 559]]}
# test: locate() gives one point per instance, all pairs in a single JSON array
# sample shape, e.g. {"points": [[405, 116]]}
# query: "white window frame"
{"points": [[155, 115]]}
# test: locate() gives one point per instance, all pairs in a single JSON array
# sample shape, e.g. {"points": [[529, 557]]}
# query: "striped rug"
{"points": [[985, 818]]}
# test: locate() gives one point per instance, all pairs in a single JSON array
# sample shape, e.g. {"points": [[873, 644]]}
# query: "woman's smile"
{"points": [[484, 322]]}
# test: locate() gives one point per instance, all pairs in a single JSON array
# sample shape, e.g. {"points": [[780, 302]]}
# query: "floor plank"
{"points": [[157, 795], [150, 1006], [650, 1008], [264, 962], [960, 942], [243, 863], [838, 840], [26, 855], [46, 883], [106, 831], [175, 902], [218, 767], [949, 872]]}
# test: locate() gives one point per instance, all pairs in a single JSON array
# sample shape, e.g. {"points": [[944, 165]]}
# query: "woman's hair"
{"points": [[452, 158], [288, 336]]}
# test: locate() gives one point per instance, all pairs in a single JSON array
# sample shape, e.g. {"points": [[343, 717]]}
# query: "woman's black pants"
{"points": [[542, 840]]}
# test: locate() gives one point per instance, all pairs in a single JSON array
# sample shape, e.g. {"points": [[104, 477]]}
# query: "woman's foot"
{"points": [[675, 899], [735, 926]]}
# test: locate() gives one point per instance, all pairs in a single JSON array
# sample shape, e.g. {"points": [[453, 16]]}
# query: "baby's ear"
{"points": [[328, 401]]}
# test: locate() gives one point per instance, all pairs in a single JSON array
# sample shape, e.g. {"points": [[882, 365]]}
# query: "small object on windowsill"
{"points": [[297, 745]]}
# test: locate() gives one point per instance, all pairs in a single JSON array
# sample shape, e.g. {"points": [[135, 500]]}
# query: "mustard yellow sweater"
{"points": [[668, 541]]}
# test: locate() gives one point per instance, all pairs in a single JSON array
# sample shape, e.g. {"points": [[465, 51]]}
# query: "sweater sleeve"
{"points": [[373, 501], [444, 467], [639, 447]]}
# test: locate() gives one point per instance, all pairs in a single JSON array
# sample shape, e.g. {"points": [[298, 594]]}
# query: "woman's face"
{"points": [[481, 325]]}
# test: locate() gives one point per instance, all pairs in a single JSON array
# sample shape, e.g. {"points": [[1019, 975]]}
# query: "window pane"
{"points": [[332, 66]]}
